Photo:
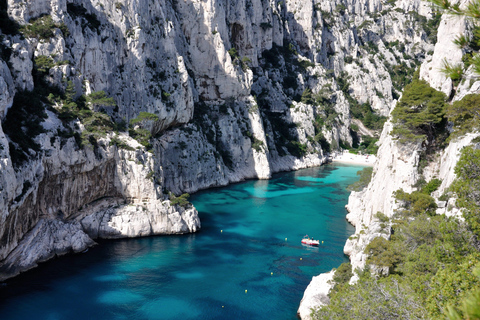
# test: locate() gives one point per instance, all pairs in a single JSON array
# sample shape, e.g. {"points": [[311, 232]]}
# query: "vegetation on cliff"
{"points": [[431, 259], [365, 177], [419, 114]]}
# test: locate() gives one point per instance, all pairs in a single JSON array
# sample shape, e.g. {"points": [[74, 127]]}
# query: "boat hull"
{"points": [[310, 242]]}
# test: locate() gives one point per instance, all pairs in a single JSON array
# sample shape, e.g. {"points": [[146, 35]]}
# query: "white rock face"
{"points": [[445, 50], [316, 295], [49, 238], [130, 221], [395, 168], [443, 169]]}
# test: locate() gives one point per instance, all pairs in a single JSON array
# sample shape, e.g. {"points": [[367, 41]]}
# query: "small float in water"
{"points": [[310, 241]]}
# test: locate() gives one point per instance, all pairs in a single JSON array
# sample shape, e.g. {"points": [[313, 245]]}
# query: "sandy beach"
{"points": [[347, 157]]}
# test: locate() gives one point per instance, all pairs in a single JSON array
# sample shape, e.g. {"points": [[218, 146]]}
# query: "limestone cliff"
{"points": [[398, 164], [236, 90]]}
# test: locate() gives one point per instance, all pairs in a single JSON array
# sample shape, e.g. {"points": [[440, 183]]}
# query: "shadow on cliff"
{"points": [[275, 113]]}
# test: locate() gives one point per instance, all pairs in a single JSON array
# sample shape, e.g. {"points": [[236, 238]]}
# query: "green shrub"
{"points": [[382, 217], [431, 186], [304, 64], [97, 125], [120, 125], [181, 200], [150, 175], [41, 28], [257, 144], [143, 117], [430, 26], [475, 61], [419, 113], [401, 75], [415, 203], [297, 149], [120, 144], [465, 114], [431, 261], [165, 96], [470, 304], [340, 9], [381, 253], [233, 53], [369, 145], [246, 62], [342, 275], [372, 298], [365, 113], [307, 96], [371, 47], [142, 136], [365, 178], [454, 72], [43, 64], [466, 186], [99, 98]]}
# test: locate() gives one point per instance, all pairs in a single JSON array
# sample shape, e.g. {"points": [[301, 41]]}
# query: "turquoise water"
{"points": [[249, 231]]}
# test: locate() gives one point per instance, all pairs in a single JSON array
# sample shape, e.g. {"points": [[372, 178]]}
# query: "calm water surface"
{"points": [[249, 231]]}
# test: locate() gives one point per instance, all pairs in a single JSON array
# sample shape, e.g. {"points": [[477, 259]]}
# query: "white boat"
{"points": [[310, 241]]}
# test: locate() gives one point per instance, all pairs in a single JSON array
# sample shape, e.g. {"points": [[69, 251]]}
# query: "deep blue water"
{"points": [[249, 231]]}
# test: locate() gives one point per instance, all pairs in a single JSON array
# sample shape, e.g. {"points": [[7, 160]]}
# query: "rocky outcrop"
{"points": [[443, 169], [73, 196], [47, 239], [316, 294], [446, 51]]}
